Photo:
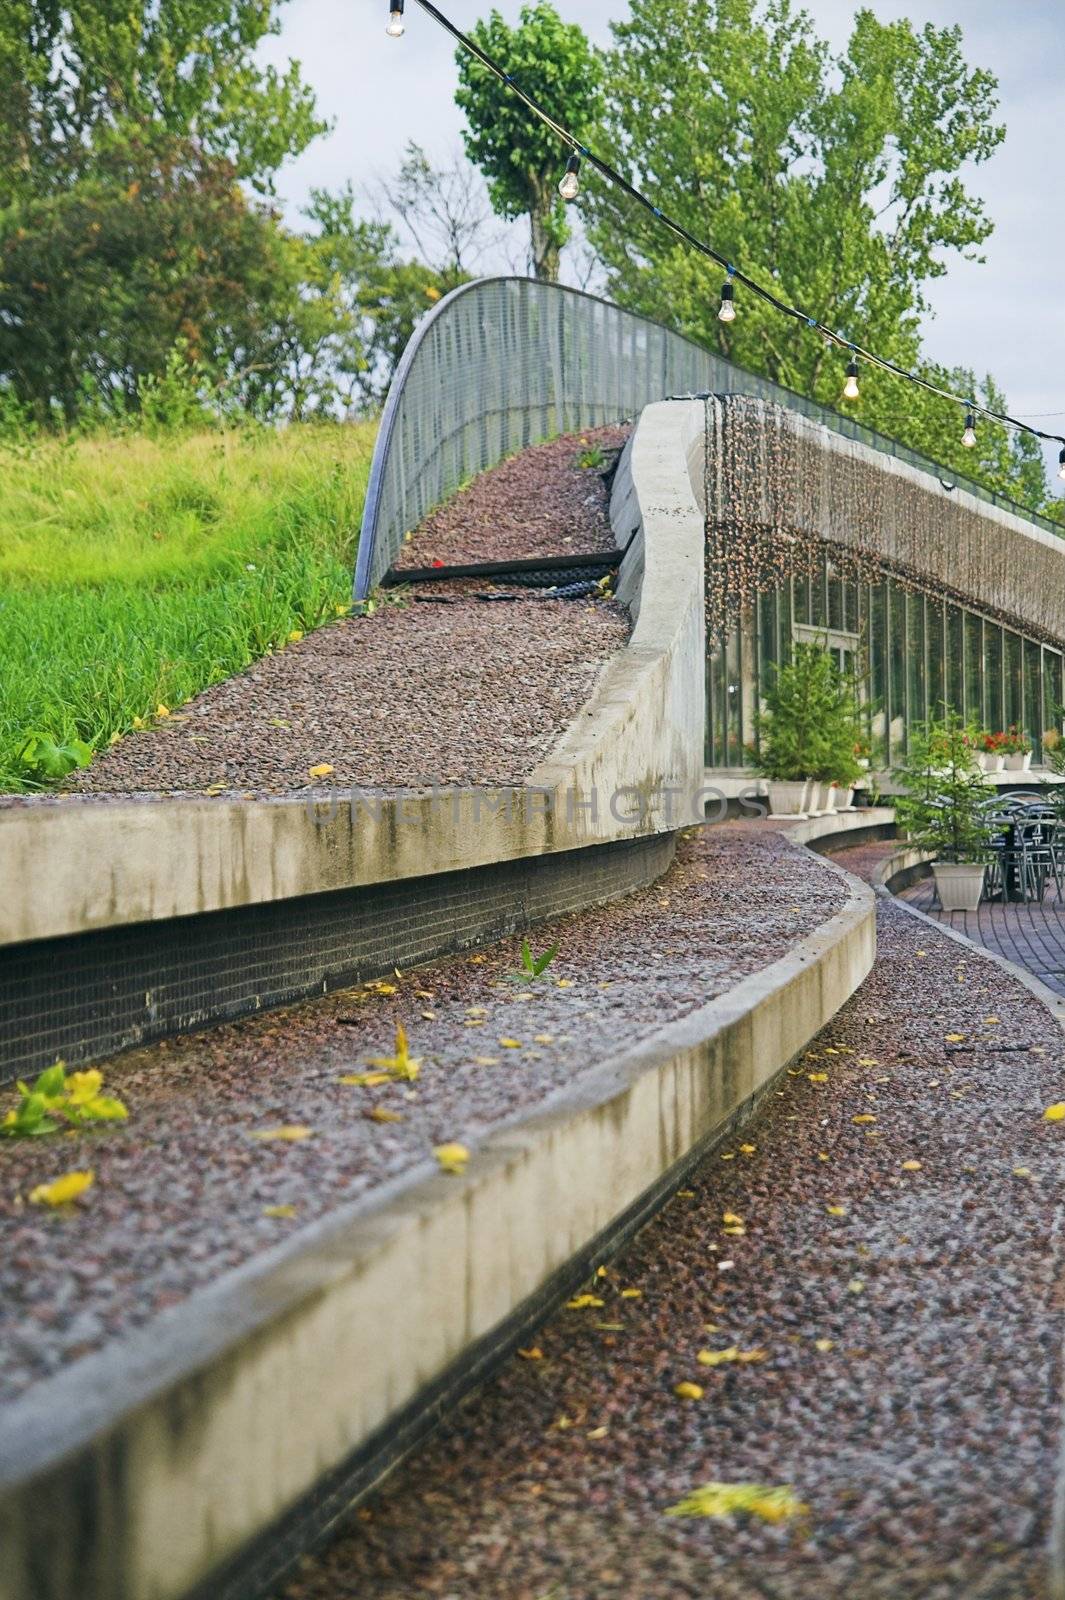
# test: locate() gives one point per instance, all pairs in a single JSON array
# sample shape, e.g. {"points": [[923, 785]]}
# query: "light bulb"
{"points": [[570, 187], [728, 302], [1061, 468], [395, 29], [850, 388], [968, 438]]}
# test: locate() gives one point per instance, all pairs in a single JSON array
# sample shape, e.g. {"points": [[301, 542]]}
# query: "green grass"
{"points": [[137, 571]]}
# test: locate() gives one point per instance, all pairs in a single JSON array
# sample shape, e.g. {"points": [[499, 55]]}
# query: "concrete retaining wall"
{"points": [[148, 1471]]}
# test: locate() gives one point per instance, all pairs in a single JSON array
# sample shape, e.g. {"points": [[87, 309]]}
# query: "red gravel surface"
{"points": [[182, 1188], [900, 1273], [464, 692], [539, 503]]}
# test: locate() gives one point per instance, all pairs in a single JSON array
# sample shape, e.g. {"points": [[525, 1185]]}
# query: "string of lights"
{"points": [[569, 189]]}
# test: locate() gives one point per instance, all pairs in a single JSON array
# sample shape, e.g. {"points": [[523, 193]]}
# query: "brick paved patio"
{"points": [[1030, 933]]}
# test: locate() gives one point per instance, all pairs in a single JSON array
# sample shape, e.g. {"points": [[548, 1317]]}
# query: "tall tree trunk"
{"points": [[545, 251]]}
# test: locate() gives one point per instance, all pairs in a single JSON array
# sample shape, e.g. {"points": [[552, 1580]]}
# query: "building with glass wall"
{"points": [[912, 652]]}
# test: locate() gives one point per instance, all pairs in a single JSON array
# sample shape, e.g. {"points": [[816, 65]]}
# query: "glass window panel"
{"points": [[933, 610], [715, 707], [897, 663], [802, 601], [877, 647], [974, 669], [994, 715], [733, 701], [850, 607], [956, 660], [818, 607], [916, 708], [835, 601], [1014, 702], [1033, 698], [1052, 689]]}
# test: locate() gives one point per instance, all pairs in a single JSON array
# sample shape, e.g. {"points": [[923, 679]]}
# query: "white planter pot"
{"points": [[994, 763], [846, 799], [960, 885], [1019, 763], [788, 799], [982, 759], [829, 798]]}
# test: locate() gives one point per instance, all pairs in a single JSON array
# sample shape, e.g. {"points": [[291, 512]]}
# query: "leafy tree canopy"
{"points": [[522, 159]]}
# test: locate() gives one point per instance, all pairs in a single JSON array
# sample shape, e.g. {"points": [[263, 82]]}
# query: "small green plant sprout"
{"points": [[45, 760], [591, 458], [57, 1101], [533, 967]]}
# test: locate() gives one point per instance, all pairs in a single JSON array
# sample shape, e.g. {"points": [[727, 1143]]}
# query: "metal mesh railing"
{"points": [[502, 363]]}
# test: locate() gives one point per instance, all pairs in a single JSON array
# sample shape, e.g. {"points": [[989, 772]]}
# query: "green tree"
{"points": [[836, 182], [521, 159], [77, 75]]}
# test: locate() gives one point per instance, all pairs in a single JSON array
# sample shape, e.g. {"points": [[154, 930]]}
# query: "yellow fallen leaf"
{"points": [[685, 1194], [161, 710], [822, 1155], [401, 1064], [279, 1211], [543, 1038], [564, 983], [748, 1149], [836, 1211], [452, 1158], [476, 961], [1054, 1113], [511, 1044], [752, 1499], [868, 1061], [864, 1116], [597, 1433], [288, 1133], [824, 1345], [533, 1354], [382, 1114], [1022, 1172], [377, 987], [632, 1294], [990, 1022], [582, 1302], [732, 1219], [688, 1391], [295, 635], [61, 1191], [954, 1038], [321, 771], [735, 1233], [486, 1061], [856, 1286], [365, 1080], [717, 1358], [752, 1355], [911, 1166], [817, 1077]]}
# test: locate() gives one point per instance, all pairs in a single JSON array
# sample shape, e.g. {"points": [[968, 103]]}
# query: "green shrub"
{"points": [[808, 726]]}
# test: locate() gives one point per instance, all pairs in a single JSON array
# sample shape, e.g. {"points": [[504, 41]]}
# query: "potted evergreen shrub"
{"points": [[942, 809], [807, 731]]}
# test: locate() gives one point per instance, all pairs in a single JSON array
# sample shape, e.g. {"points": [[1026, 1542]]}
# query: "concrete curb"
{"points": [[148, 1471]]}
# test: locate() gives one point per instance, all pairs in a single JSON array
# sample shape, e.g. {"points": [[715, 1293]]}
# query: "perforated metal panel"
{"points": [[505, 362]]}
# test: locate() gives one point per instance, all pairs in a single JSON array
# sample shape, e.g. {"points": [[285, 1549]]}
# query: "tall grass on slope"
{"points": [[135, 572]]}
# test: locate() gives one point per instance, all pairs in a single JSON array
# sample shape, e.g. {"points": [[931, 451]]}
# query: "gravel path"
{"points": [[538, 503], [909, 1315], [420, 692], [182, 1189]]}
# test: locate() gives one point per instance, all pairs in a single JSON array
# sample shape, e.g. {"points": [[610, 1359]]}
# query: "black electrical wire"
{"points": [[700, 245]]}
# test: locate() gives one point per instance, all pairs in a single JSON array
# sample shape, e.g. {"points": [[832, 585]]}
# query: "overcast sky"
{"points": [[1007, 316]]}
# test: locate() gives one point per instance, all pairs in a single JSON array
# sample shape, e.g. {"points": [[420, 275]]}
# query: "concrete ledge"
{"points": [[148, 1472]]}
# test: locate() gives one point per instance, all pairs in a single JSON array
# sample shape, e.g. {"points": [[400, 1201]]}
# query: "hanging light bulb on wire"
{"points": [[850, 388], [727, 312], [968, 438], [570, 187], [396, 28]]}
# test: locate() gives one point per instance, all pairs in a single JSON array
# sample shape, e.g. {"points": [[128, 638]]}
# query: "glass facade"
{"points": [[912, 654]]}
